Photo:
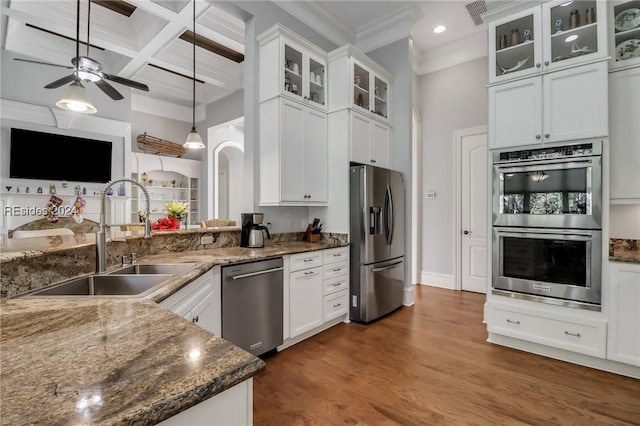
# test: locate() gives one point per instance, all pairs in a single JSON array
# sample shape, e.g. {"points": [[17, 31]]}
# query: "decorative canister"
{"points": [[515, 36], [559, 24], [574, 19], [591, 15], [503, 41], [526, 35]]}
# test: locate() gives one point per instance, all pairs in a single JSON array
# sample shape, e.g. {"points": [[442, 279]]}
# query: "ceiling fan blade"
{"points": [[43, 63], [126, 82], [60, 82], [109, 90]]}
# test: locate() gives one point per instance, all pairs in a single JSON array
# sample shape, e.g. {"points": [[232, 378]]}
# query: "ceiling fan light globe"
{"points": [[88, 76], [194, 141], [75, 99]]}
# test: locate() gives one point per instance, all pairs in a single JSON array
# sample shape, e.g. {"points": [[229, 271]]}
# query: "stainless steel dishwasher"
{"points": [[252, 305]]}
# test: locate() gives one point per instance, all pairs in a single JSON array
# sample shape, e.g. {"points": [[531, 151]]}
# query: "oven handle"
{"points": [[541, 231], [544, 161]]}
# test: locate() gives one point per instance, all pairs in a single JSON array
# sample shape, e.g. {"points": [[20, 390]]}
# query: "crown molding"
{"points": [[319, 19], [388, 29]]}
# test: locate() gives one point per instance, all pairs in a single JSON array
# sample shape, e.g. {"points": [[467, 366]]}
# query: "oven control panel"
{"points": [[548, 152]]}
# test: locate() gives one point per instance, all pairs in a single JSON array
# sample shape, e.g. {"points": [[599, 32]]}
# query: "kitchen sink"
{"points": [[106, 285], [159, 268]]}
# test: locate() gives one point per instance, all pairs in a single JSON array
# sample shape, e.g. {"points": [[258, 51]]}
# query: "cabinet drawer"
{"points": [[305, 274], [335, 255], [336, 284], [334, 270], [587, 338], [335, 305], [300, 261]]}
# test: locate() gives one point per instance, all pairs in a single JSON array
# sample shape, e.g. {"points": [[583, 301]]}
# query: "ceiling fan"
{"points": [[88, 69]]}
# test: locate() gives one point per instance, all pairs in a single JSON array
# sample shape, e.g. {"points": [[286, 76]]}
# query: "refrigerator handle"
{"points": [[389, 215]]}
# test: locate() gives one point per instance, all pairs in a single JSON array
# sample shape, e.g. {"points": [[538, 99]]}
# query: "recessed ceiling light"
{"points": [[439, 29], [571, 38]]}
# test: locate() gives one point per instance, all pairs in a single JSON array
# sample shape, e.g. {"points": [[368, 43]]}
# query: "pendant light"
{"points": [[193, 138], [75, 97]]}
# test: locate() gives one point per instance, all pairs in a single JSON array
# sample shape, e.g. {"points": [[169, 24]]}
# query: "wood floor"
{"points": [[430, 365]]}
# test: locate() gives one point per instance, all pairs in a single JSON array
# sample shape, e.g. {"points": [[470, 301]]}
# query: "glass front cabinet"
{"points": [[296, 68], [624, 33], [369, 91], [555, 35]]}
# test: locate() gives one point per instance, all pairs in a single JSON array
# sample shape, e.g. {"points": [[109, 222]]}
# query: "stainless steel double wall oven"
{"points": [[547, 223]]}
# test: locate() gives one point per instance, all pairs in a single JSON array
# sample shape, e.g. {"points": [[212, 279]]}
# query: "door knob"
{"points": [[466, 232]]}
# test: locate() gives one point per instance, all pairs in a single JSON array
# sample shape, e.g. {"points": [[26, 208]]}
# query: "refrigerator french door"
{"points": [[377, 242]]}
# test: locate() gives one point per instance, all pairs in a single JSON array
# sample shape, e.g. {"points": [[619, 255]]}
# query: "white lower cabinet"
{"points": [[624, 313], [559, 331], [305, 300], [231, 407], [200, 301], [316, 290]]}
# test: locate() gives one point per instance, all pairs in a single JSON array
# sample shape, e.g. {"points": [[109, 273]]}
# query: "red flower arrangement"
{"points": [[166, 223]]}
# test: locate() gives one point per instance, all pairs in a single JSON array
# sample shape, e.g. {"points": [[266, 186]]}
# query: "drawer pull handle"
{"points": [[308, 260], [336, 284], [337, 304], [568, 333], [512, 322], [337, 255], [337, 269]]}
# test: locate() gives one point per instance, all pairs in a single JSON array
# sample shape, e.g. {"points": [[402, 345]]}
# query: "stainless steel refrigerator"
{"points": [[377, 242]]}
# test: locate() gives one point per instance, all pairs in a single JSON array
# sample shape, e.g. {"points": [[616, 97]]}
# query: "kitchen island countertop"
{"points": [[120, 361]]}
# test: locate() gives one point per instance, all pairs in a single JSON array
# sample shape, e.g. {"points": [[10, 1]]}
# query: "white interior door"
{"points": [[474, 212]]}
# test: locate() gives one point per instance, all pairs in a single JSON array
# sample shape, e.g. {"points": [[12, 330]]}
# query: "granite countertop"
{"points": [[624, 250], [120, 361]]}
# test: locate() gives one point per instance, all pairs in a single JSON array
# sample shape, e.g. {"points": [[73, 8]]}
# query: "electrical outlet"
{"points": [[206, 239], [431, 194]]}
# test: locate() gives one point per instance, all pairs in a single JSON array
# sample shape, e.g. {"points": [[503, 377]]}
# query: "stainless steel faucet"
{"points": [[101, 236]]}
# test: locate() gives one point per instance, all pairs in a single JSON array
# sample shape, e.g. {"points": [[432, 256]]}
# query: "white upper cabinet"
{"points": [[293, 154], [564, 105], [624, 137], [359, 83], [624, 33], [291, 66], [555, 35]]}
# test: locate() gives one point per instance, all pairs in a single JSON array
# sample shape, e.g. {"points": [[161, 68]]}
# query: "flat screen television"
{"points": [[48, 156]]}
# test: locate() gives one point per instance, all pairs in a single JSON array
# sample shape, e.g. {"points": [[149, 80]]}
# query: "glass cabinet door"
{"points": [[573, 30], [516, 46], [317, 81], [625, 26], [380, 96], [293, 70], [361, 87]]}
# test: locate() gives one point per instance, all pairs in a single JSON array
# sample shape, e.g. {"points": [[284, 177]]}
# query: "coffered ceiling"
{"points": [[140, 39]]}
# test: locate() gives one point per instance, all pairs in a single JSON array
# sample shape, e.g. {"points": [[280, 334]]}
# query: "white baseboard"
{"points": [[434, 279], [408, 297]]}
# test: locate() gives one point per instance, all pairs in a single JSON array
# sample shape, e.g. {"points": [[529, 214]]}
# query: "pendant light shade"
{"points": [[75, 99], [194, 140]]}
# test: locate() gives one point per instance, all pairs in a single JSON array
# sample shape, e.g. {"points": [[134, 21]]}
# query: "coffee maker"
{"points": [[252, 228]]}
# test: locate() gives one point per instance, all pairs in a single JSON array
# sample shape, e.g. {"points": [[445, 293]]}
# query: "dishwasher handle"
{"points": [[253, 274]]}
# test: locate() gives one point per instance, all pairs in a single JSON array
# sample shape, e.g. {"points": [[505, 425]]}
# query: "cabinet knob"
{"points": [[538, 65], [305, 98], [547, 135], [373, 161], [195, 319], [546, 63], [538, 136]]}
